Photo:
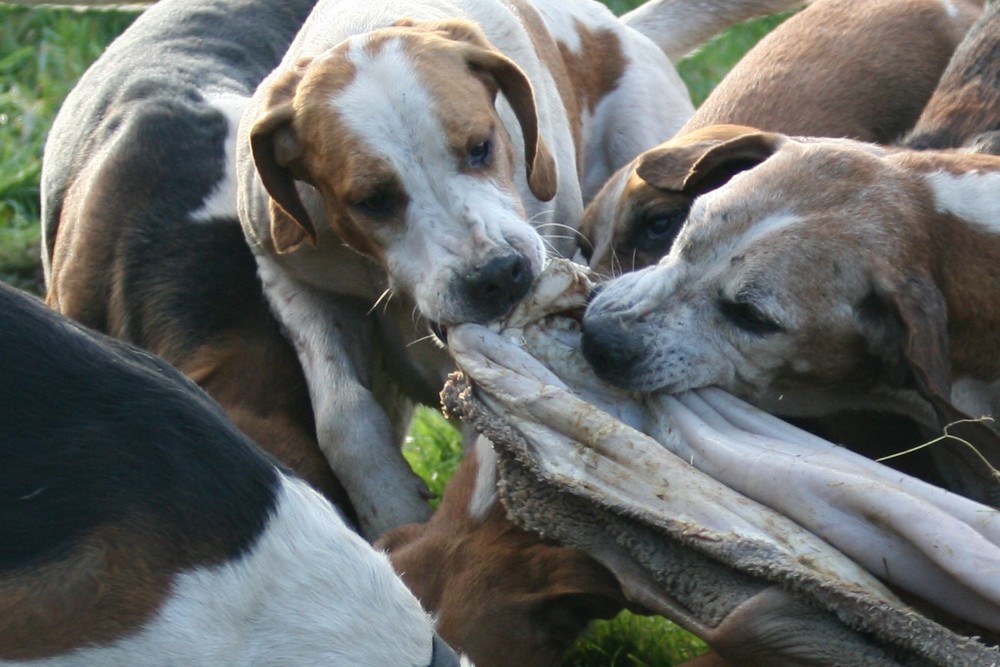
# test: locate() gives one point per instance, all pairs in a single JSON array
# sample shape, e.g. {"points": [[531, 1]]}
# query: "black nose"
{"points": [[496, 286], [609, 349]]}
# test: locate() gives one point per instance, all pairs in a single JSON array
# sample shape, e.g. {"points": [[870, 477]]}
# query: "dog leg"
{"points": [[360, 418]]}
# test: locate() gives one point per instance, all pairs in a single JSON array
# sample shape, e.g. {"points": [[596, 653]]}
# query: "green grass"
{"points": [[42, 54]]}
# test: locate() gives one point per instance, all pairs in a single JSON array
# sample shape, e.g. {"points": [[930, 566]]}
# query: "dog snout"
{"points": [[608, 348], [496, 286]]}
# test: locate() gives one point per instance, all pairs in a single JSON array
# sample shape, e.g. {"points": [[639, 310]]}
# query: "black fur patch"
{"points": [[96, 431]]}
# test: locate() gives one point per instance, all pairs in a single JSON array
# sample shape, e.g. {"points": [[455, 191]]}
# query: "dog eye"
{"points": [[749, 317], [480, 154], [379, 204], [655, 232]]}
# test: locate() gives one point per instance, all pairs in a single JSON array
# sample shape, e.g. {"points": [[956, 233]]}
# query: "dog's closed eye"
{"points": [[748, 316]]}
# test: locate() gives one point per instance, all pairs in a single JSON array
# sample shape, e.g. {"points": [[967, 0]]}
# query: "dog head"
{"points": [[634, 219], [804, 280], [398, 133]]}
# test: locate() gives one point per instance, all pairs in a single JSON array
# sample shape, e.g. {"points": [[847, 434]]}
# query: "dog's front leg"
{"points": [[360, 420]]}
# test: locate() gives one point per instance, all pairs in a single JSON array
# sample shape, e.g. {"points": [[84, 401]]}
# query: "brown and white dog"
{"points": [[839, 68], [141, 528], [407, 159], [829, 275]]}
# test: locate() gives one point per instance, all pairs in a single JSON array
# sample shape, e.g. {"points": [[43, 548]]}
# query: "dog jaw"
{"points": [[414, 167]]}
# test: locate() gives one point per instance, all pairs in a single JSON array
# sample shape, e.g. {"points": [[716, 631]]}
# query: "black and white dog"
{"points": [[139, 212], [140, 527]]}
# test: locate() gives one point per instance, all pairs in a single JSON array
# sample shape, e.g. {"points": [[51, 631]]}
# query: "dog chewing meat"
{"points": [[830, 275], [411, 157]]}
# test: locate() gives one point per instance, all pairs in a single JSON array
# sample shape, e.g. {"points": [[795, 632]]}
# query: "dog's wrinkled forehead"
{"points": [[803, 185]]}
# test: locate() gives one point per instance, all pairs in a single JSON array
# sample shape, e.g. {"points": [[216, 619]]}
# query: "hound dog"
{"points": [[828, 275], [142, 528], [141, 238], [839, 68], [403, 159]]}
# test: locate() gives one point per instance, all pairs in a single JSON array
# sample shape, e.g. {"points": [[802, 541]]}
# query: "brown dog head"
{"points": [[634, 219]]}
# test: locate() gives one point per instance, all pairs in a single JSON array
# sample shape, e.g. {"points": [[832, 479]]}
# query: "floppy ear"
{"points": [[500, 72], [906, 326], [276, 148], [706, 159]]}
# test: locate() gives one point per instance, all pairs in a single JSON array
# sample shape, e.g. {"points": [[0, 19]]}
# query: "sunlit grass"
{"points": [[42, 54]]}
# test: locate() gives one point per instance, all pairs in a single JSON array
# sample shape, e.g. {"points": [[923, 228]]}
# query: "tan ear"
{"points": [[500, 72], [541, 166], [907, 327], [276, 149], [706, 159]]}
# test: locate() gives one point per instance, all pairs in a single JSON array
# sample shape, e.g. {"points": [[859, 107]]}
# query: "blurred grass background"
{"points": [[43, 51]]}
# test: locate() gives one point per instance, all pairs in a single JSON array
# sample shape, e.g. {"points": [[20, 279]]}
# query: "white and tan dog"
{"points": [[831, 275], [415, 151]]}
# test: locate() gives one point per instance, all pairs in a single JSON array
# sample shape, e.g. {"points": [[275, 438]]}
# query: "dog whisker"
{"points": [[549, 246], [385, 296], [430, 337], [576, 233], [616, 265], [559, 236]]}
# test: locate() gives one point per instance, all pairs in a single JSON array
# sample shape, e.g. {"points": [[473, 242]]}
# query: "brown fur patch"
{"points": [[597, 68], [841, 68], [85, 266], [967, 99], [109, 584], [259, 383], [553, 56], [502, 595]]}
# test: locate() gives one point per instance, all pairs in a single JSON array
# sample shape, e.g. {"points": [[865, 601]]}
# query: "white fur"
{"points": [[484, 495], [970, 196], [221, 203], [950, 9], [378, 479], [976, 398], [309, 592]]}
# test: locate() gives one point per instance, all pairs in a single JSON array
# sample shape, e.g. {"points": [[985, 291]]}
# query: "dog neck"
{"points": [[964, 235]]}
